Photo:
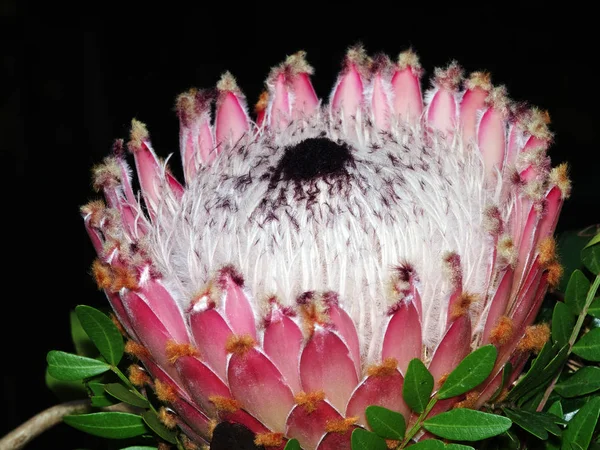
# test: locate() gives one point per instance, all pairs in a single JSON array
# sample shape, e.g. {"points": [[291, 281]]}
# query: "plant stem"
{"points": [[417, 426], [588, 301]]}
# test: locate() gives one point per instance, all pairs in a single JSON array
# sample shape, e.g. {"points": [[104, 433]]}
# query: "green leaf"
{"points": [[506, 372], [141, 447], [82, 342], [563, 322], [292, 444], [588, 347], [595, 240], [120, 392], [366, 440], [590, 256], [418, 385], [556, 409], [581, 427], [385, 423], [101, 401], [103, 333], [68, 367], [594, 309], [428, 444], [112, 425], [158, 427], [584, 381], [458, 447], [471, 372], [467, 425], [537, 423], [66, 390], [576, 292]]}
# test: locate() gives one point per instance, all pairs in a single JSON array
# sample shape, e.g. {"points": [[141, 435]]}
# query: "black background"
{"points": [[69, 87]]}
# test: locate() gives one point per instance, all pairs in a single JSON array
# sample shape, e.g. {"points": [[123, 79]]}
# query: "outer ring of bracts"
{"points": [[298, 371]]}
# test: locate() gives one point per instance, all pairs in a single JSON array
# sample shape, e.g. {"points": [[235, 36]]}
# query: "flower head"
{"points": [[317, 249]]}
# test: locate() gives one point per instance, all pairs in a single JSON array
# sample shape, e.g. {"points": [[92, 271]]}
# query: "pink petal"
{"points": [[454, 346], [471, 103], [210, 333], [195, 134], [348, 93], [552, 206], [499, 304], [337, 441], [380, 103], [305, 97], [344, 325], [280, 113], [403, 340], [148, 327], [309, 427], [326, 365], [408, 101], [492, 139], [259, 386], [231, 121], [194, 419], [238, 310], [166, 309], [282, 343], [441, 112], [379, 390], [243, 418], [148, 170]]}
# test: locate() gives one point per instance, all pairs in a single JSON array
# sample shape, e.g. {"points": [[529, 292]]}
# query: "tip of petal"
{"points": [[309, 401], [502, 331], [191, 104], [225, 404], [262, 103], [227, 83], [450, 77], [409, 59], [340, 425], [175, 351], [535, 338], [498, 99], [269, 439], [559, 176], [240, 345], [482, 80], [165, 392], [139, 134], [297, 63], [107, 175], [385, 369]]}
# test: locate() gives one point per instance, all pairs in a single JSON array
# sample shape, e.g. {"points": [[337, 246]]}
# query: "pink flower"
{"points": [[314, 252]]}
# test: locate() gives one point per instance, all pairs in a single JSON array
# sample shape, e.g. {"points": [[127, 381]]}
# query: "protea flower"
{"points": [[314, 251]]}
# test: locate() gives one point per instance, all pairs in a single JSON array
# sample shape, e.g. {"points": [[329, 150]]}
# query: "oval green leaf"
{"points": [[467, 425], [588, 347], [563, 322], [367, 440], [594, 309], [591, 258], [581, 427], [103, 333], [292, 444], [112, 425], [584, 381], [158, 427], [428, 444], [68, 367], [138, 447], [471, 372], [576, 292], [385, 423], [82, 342], [458, 447], [556, 409], [418, 385], [120, 392]]}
